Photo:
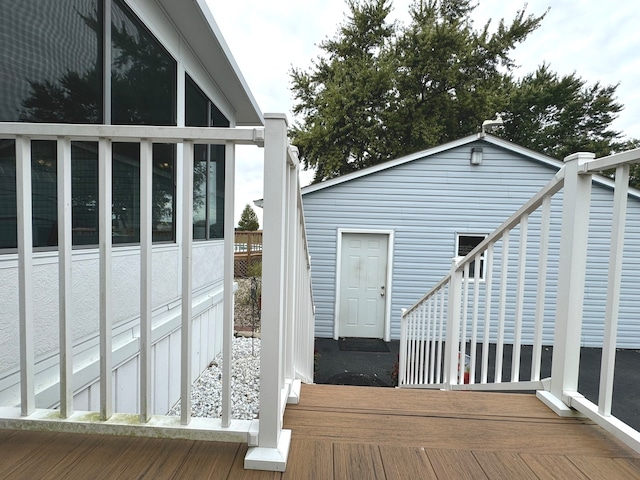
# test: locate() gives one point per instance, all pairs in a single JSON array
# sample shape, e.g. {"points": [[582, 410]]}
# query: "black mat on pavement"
{"points": [[357, 379], [353, 344]]}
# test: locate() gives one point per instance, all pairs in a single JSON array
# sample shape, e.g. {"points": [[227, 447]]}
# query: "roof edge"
{"points": [[389, 164], [492, 139], [217, 33]]}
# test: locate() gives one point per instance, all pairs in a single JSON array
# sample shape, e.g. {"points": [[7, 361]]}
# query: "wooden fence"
{"points": [[247, 253]]}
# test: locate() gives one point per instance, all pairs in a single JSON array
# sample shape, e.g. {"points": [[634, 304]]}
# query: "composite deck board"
{"points": [[37, 461], [18, 448], [421, 401], [309, 459], [604, 468], [406, 462], [118, 450], [458, 464], [504, 465], [356, 433], [560, 465], [208, 461], [573, 437], [357, 460]]}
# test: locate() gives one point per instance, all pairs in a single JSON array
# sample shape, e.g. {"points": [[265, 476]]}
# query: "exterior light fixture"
{"points": [[490, 125], [476, 156]]}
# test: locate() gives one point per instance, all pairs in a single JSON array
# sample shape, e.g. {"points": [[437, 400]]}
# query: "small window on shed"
{"points": [[464, 244]]}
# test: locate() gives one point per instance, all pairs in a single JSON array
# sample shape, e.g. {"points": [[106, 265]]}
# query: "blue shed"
{"points": [[381, 237]]}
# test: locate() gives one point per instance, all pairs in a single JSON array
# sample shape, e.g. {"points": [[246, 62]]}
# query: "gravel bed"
{"points": [[246, 310], [206, 396]]}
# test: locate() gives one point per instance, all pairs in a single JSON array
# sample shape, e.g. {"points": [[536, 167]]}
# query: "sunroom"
{"points": [[118, 126]]}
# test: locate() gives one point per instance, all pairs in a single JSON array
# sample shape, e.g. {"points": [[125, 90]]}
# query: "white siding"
{"points": [[207, 342]]}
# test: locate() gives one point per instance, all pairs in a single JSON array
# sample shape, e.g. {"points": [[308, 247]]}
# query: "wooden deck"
{"points": [[354, 433]]}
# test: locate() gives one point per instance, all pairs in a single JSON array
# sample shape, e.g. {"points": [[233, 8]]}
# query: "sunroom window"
{"points": [[51, 61], [143, 74], [84, 191], [208, 166], [63, 82]]}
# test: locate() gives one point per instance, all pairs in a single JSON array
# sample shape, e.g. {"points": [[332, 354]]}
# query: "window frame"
{"points": [[214, 157], [105, 104], [481, 237]]}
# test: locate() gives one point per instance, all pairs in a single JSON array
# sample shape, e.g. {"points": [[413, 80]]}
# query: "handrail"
{"points": [[288, 314], [468, 310], [611, 161], [133, 133], [457, 298]]}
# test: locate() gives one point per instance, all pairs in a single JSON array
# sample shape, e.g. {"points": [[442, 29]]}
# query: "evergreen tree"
{"points": [[559, 116], [381, 90], [344, 100], [248, 220]]}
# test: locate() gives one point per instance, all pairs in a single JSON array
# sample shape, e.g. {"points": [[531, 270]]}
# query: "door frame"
{"points": [[388, 280]]}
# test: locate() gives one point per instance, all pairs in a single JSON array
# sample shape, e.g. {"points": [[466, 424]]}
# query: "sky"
{"points": [[600, 41]]}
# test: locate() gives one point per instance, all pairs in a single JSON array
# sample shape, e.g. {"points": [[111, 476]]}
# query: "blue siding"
{"points": [[428, 200]]}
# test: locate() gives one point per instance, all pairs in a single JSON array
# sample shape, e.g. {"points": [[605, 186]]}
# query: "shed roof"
{"points": [[491, 139]]}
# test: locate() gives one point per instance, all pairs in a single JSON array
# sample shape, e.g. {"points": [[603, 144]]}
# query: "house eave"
{"points": [[199, 29]]}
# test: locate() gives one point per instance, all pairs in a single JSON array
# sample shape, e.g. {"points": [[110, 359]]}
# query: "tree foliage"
{"points": [[248, 220], [381, 90], [561, 115], [344, 100]]}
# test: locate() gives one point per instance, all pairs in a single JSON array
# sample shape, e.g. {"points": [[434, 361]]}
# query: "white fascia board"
{"points": [[197, 26], [526, 152], [552, 162]]}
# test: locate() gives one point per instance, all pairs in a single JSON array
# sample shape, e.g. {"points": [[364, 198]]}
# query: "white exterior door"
{"points": [[363, 274]]}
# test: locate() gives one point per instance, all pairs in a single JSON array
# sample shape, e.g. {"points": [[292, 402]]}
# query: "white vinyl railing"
{"points": [[287, 321], [469, 311], [450, 334], [287, 305]]}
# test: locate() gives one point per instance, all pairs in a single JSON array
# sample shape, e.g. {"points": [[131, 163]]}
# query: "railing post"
{"points": [[451, 358], [273, 442], [402, 360], [25, 274], [229, 267], [571, 277], [291, 290]]}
